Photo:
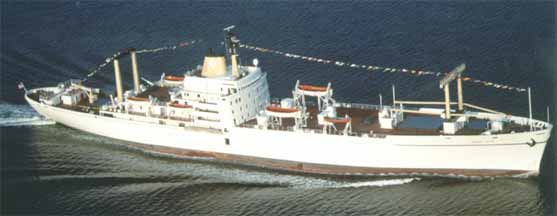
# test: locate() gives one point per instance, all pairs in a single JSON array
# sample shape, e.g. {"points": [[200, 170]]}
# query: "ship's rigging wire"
{"points": [[373, 68], [141, 51]]}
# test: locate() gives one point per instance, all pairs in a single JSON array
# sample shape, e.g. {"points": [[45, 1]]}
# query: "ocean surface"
{"points": [[51, 169]]}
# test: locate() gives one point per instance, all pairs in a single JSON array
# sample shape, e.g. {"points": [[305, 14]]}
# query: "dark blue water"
{"points": [[51, 169]]}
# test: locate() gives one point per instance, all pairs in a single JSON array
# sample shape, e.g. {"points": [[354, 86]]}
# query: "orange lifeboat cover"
{"points": [[274, 108], [312, 88], [173, 78]]}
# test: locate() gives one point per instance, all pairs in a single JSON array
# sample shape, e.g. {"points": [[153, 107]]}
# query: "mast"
{"points": [[530, 108], [118, 80], [231, 44], [459, 91], [394, 95], [380, 101], [135, 71], [447, 101], [547, 114], [444, 84]]}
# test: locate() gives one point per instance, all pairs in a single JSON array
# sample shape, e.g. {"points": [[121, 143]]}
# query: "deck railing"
{"points": [[360, 106], [314, 131]]}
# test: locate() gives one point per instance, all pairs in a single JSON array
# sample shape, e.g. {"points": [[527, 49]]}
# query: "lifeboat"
{"points": [[312, 88], [140, 99], [274, 108], [337, 120], [177, 105], [173, 78]]}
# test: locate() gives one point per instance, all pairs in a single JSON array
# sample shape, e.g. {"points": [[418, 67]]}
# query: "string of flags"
{"points": [[374, 68], [154, 50], [180, 45]]}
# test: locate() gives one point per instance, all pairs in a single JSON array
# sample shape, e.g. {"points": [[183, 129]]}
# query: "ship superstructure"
{"points": [[213, 96], [224, 111]]}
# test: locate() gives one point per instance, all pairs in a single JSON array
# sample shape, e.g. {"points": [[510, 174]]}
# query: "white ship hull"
{"points": [[502, 154]]}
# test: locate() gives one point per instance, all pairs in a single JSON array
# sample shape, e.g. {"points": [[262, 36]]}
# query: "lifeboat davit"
{"points": [[173, 78], [274, 108], [133, 98], [312, 88], [337, 120], [177, 105]]}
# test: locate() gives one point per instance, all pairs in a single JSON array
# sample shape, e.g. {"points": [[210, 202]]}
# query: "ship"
{"points": [[222, 110]]}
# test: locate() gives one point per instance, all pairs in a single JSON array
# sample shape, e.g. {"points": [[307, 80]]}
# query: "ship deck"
{"points": [[365, 121]]}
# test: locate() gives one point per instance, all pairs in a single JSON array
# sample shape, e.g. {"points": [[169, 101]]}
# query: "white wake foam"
{"points": [[377, 183], [20, 115]]}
